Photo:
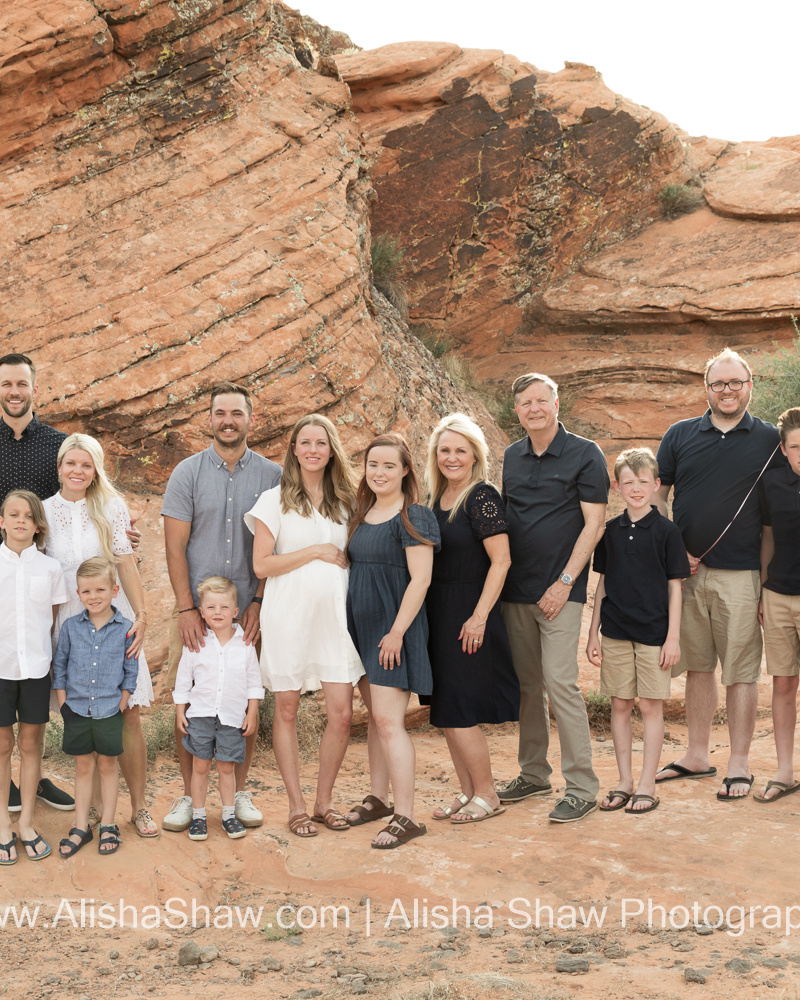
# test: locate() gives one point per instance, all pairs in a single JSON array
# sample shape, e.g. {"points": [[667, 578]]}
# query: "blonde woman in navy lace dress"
{"points": [[474, 681]]}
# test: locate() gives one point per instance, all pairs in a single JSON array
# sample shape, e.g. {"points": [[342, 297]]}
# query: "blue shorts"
{"points": [[208, 738]]}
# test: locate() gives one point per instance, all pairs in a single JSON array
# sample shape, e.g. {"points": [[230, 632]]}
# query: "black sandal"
{"points": [[108, 833], [73, 848]]}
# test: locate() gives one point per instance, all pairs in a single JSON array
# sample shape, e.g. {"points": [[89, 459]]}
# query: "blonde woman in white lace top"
{"points": [[88, 518]]}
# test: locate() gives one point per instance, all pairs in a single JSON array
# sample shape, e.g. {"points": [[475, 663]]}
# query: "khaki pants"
{"points": [[546, 661]]}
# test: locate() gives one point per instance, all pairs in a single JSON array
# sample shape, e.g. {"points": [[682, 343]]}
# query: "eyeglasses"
{"points": [[734, 385]]}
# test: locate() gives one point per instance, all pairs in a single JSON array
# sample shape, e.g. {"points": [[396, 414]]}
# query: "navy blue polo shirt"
{"points": [[637, 559], [543, 495], [779, 501], [32, 462], [712, 470]]}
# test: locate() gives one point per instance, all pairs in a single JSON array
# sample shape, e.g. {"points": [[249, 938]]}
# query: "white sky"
{"points": [[725, 69]]}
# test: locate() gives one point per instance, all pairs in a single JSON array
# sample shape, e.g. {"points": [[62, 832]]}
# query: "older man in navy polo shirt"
{"points": [[555, 485], [714, 462]]}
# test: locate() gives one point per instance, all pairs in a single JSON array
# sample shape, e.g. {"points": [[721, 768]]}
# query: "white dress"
{"points": [[304, 637], [72, 538]]}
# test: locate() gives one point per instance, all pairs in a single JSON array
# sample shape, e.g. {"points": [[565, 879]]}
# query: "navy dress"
{"points": [[479, 687], [378, 580]]}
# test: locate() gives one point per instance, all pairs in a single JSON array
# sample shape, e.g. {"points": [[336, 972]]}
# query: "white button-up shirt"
{"points": [[218, 681], [30, 584]]}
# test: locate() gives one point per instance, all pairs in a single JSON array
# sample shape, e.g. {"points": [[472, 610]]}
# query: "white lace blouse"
{"points": [[72, 538]]}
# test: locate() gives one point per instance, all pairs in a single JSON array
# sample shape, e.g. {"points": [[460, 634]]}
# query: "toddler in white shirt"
{"points": [[221, 684], [31, 588]]}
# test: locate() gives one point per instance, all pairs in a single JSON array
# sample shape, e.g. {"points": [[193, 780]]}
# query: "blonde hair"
{"points": [[727, 355], [339, 481], [217, 585], [37, 510], [522, 382], [97, 566], [436, 481], [99, 492], [636, 459]]}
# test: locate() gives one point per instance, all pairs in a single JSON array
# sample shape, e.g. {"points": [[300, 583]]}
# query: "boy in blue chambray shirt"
{"points": [[93, 679], [641, 560]]}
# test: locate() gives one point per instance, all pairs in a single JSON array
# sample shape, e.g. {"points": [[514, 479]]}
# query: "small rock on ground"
{"points": [[189, 954], [569, 963], [693, 976], [739, 965]]}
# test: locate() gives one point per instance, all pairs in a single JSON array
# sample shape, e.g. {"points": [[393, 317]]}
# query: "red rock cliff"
{"points": [[527, 204], [184, 199]]}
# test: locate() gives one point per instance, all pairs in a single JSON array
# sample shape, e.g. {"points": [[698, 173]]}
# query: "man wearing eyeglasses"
{"points": [[713, 463]]}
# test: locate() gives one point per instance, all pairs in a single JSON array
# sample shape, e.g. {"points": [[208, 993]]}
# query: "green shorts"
{"points": [[84, 734]]}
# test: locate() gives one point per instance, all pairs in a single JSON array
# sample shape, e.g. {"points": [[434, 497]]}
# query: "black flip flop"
{"points": [[683, 772], [32, 845], [616, 794], [727, 782], [641, 797]]}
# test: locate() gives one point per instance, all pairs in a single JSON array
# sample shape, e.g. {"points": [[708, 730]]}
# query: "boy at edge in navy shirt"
{"points": [[641, 560], [779, 607]]}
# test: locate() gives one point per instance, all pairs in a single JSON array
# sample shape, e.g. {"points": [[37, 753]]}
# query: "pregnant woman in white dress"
{"points": [[88, 518], [300, 530]]}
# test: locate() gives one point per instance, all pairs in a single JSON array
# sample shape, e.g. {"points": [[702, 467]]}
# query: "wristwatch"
{"points": [[566, 579]]}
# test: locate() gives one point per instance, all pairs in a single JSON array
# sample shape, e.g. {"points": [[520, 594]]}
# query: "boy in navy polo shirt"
{"points": [[779, 607], [641, 560]]}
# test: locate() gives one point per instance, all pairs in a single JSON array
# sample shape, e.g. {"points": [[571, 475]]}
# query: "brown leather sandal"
{"points": [[403, 829], [296, 824], [333, 819], [378, 811]]}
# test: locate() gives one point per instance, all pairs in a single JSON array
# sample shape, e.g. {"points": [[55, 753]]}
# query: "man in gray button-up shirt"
{"points": [[204, 505]]}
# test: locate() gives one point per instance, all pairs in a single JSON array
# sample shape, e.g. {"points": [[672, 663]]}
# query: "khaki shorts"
{"points": [[782, 633], [176, 650], [631, 668], [719, 621]]}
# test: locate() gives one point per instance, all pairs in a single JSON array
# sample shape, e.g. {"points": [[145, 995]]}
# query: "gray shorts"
{"points": [[208, 738]]}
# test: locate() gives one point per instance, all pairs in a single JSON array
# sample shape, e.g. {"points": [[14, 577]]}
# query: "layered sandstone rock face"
{"points": [[527, 205], [183, 199]]}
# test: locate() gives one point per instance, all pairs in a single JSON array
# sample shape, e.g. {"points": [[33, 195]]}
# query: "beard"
{"points": [[737, 414], [230, 442], [25, 405]]}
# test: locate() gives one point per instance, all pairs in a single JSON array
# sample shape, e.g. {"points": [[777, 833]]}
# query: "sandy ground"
{"points": [[619, 898], [692, 850]]}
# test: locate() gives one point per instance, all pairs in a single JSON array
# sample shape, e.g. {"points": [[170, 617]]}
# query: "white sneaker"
{"points": [[246, 812], [180, 815]]}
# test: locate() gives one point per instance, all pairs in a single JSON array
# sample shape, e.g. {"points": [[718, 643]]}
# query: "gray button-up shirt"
{"points": [[203, 491]]}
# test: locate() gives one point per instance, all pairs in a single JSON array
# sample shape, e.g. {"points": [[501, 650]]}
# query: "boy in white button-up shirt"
{"points": [[221, 685], [31, 587]]}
